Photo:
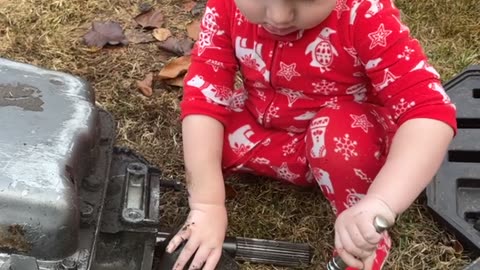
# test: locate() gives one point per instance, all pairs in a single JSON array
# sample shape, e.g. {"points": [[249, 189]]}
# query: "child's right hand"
{"points": [[204, 232]]}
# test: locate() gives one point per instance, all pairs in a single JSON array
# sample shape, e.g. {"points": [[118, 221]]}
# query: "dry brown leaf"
{"points": [[175, 68], [174, 45], [145, 86], [103, 33], [189, 5], [137, 36], [176, 81], [193, 29], [161, 34], [150, 19]]}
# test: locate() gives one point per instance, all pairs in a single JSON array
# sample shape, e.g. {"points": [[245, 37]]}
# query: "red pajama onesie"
{"points": [[319, 105]]}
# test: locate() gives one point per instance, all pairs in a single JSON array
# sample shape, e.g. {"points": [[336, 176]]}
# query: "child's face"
{"points": [[282, 17]]}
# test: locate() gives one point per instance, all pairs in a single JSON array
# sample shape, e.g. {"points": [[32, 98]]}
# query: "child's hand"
{"points": [[355, 236], [204, 232]]}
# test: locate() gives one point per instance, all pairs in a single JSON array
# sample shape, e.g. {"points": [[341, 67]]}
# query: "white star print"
{"points": [[283, 172], [360, 121], [292, 95], [340, 7], [379, 38], [287, 71]]}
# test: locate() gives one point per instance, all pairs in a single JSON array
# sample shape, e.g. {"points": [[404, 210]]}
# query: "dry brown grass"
{"points": [[47, 33]]}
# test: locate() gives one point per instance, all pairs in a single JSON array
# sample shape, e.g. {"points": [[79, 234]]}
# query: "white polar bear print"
{"points": [[251, 57], [213, 93]]}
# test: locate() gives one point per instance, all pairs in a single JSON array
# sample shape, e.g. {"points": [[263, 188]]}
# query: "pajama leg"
{"points": [[346, 147], [250, 148]]}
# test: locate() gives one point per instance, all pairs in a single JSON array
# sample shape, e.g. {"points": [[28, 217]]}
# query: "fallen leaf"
{"points": [[145, 86], [103, 33], [175, 68], [174, 45], [150, 19], [161, 34], [193, 29], [137, 36], [189, 5], [175, 82]]}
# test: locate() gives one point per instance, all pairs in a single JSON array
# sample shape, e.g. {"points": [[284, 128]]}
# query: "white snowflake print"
{"points": [[289, 148], [402, 107], [287, 71], [239, 17], [388, 78], [324, 87], [272, 112], [261, 160], [379, 37], [292, 95], [210, 29], [283, 172], [353, 198], [332, 103], [216, 65], [353, 53], [363, 176], [361, 121], [345, 146], [322, 51], [407, 52], [340, 7]]}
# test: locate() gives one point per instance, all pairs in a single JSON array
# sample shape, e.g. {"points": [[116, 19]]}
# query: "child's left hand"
{"points": [[355, 236]]}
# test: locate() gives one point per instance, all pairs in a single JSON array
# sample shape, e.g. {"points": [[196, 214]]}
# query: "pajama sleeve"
{"points": [[208, 84], [403, 80]]}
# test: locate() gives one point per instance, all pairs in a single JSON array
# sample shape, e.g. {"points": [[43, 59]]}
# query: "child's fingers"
{"points": [[346, 257], [213, 259], [190, 247], [368, 263], [200, 258], [177, 240], [349, 246], [359, 240]]}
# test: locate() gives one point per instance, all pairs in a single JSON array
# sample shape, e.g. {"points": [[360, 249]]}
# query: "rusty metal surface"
{"points": [[48, 124]]}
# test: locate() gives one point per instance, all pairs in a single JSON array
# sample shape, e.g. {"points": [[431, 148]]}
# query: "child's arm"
{"points": [[406, 85], [206, 224], [416, 153]]}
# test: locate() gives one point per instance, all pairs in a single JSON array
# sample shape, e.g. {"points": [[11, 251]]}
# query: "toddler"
{"points": [[335, 94]]}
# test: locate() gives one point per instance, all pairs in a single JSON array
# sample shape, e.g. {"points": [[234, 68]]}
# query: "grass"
{"points": [[48, 33]]}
